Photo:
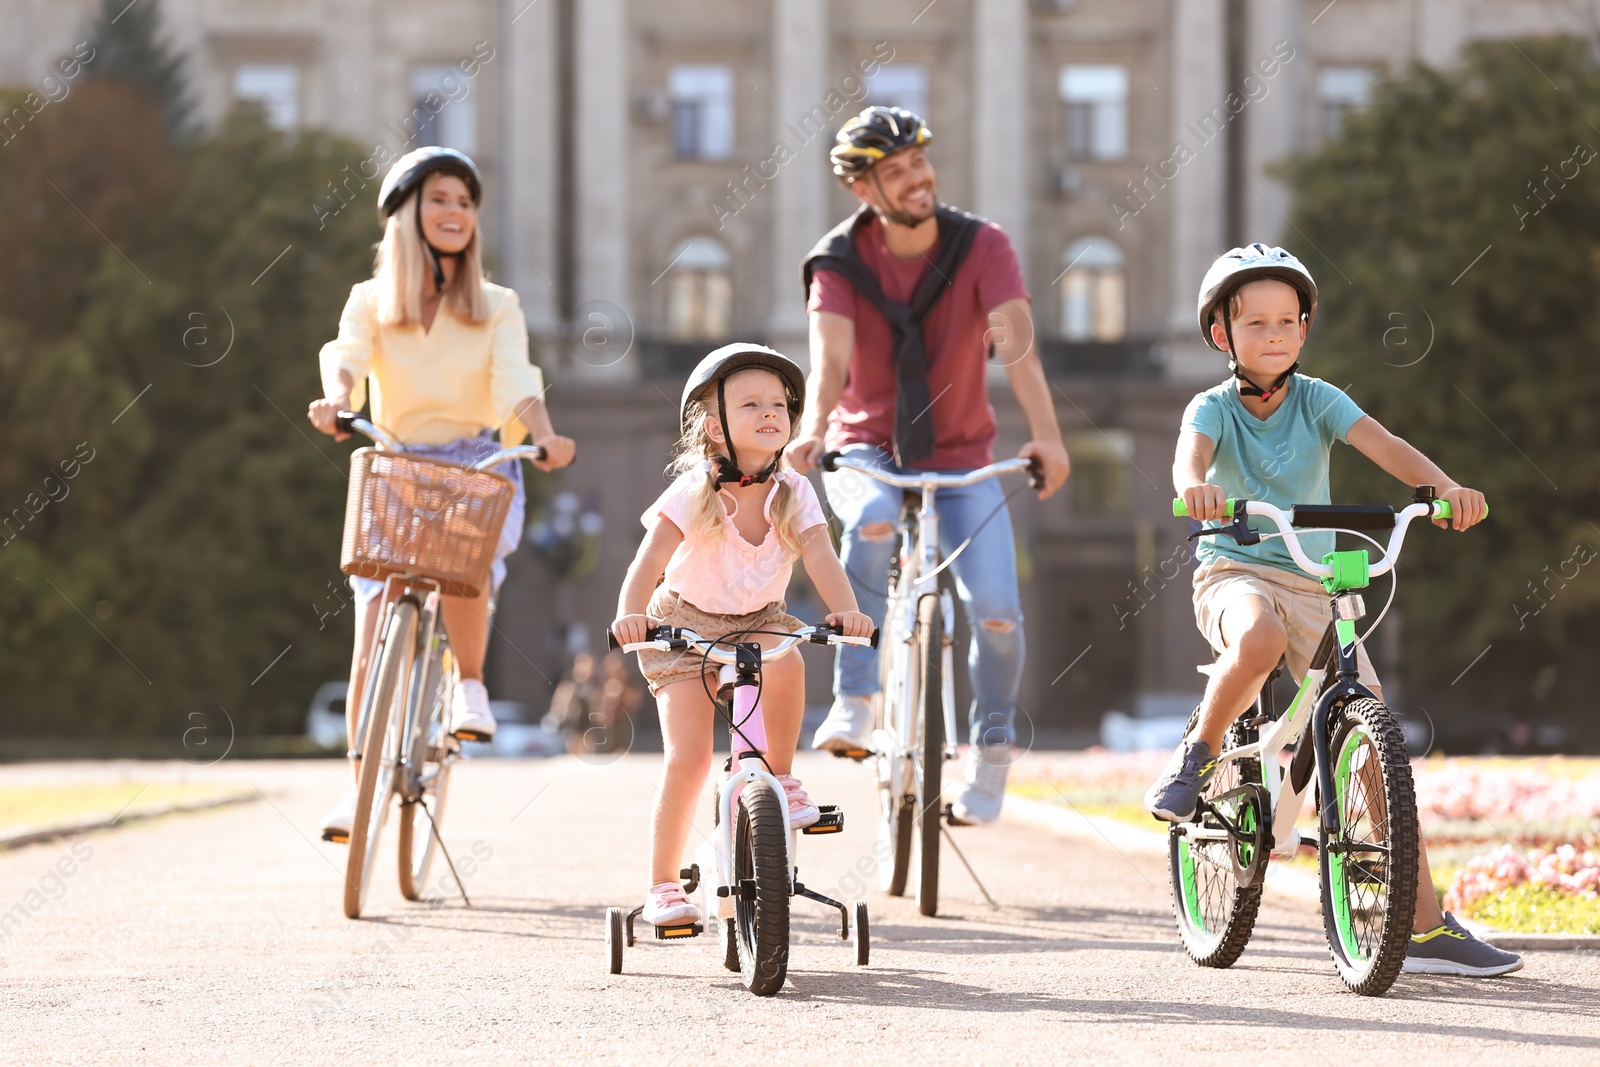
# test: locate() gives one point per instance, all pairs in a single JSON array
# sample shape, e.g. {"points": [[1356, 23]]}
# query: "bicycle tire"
{"points": [[761, 917], [1369, 949], [730, 945], [614, 940], [1215, 914], [930, 748], [380, 745], [432, 755], [894, 837]]}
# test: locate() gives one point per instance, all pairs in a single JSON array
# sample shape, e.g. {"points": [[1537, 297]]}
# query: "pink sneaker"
{"points": [[666, 905], [802, 810]]}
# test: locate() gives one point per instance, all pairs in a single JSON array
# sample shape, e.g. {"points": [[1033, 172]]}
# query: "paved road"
{"points": [[217, 938]]}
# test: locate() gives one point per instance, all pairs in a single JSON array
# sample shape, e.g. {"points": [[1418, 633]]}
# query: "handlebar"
{"points": [[1334, 517], [833, 460], [679, 638], [350, 422]]}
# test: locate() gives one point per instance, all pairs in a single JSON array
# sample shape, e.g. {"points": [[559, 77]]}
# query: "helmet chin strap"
{"points": [[1249, 386], [728, 466]]}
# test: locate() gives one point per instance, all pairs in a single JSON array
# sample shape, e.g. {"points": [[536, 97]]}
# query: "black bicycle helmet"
{"points": [[410, 169], [875, 134], [716, 367], [1236, 267], [408, 174]]}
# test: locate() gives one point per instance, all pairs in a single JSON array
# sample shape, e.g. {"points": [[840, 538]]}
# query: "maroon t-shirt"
{"points": [[954, 333]]}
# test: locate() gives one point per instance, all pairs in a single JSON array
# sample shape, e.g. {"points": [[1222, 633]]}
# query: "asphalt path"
{"points": [[217, 938]]}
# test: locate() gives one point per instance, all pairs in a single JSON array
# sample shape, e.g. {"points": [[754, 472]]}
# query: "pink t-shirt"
{"points": [[955, 336], [730, 576]]}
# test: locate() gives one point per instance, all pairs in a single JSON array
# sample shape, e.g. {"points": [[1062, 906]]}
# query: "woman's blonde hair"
{"points": [[697, 452], [402, 270]]}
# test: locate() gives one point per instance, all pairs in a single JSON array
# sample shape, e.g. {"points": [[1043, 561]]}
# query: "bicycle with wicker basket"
{"points": [[426, 528]]}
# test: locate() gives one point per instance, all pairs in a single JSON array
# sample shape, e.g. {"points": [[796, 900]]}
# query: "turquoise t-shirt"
{"points": [[1282, 459]]}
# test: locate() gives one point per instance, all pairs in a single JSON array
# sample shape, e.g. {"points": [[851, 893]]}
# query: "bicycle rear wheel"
{"points": [[1369, 870], [930, 749], [761, 880], [897, 802], [1216, 915], [433, 751], [380, 744]]}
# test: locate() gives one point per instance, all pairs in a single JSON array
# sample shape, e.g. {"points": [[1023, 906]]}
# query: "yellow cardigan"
{"points": [[431, 387]]}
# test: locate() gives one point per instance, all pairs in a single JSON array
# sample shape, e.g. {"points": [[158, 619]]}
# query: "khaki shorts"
{"points": [[663, 668], [1299, 601]]}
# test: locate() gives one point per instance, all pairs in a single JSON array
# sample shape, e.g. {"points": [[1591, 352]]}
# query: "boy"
{"points": [[1272, 442]]}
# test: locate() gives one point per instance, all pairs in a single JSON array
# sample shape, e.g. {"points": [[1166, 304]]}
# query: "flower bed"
{"points": [[1538, 892]]}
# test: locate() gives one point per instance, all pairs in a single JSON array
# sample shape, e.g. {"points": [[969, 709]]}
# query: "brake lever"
{"points": [[1239, 529]]}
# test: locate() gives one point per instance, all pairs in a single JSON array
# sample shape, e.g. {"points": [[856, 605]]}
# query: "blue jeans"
{"points": [[985, 577]]}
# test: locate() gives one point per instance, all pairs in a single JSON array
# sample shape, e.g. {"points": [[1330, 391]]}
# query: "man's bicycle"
{"points": [[746, 873], [428, 529], [1354, 755], [916, 731]]}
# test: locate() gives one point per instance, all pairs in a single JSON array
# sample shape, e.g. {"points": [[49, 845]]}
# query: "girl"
{"points": [[726, 541], [447, 356]]}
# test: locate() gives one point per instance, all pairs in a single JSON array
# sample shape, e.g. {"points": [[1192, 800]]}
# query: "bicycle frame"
{"points": [[740, 672], [1341, 573]]}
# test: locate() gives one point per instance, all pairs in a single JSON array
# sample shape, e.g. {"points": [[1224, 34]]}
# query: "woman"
{"points": [[447, 355]]}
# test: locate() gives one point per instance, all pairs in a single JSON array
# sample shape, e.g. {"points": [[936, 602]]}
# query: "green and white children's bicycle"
{"points": [[1354, 753]]}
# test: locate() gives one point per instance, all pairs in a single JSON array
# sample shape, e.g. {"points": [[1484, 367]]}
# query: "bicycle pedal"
{"points": [[857, 754], [337, 839], [831, 821], [473, 735], [674, 933]]}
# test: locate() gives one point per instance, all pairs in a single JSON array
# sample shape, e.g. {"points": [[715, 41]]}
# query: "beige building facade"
{"points": [[655, 173]]}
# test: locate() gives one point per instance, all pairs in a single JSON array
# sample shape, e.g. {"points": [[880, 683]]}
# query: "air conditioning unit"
{"points": [[1065, 182]]}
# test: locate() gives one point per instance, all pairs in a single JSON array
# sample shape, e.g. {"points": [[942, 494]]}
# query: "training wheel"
{"points": [[614, 938], [859, 934]]}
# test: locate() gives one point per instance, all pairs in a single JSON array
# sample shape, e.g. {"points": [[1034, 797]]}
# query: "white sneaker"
{"points": [[666, 905], [803, 811], [848, 726], [336, 824], [470, 717], [979, 803]]}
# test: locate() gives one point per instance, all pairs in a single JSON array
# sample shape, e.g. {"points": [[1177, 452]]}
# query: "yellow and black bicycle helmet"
{"points": [[873, 135]]}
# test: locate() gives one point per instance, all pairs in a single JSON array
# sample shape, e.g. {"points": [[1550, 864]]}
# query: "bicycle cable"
{"points": [[705, 664], [1394, 583]]}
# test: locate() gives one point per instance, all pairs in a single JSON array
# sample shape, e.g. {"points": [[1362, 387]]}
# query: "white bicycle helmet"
{"points": [[715, 368], [1248, 264]]}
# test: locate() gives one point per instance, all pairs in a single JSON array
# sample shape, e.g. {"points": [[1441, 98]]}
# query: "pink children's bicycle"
{"points": [[745, 872]]}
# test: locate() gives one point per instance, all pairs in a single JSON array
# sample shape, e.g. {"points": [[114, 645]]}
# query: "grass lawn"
{"points": [[44, 805]]}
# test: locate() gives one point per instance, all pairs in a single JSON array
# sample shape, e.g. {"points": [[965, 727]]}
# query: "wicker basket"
{"points": [[414, 515]]}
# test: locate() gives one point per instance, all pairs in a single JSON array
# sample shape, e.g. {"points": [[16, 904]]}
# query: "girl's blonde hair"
{"points": [[402, 270], [696, 451]]}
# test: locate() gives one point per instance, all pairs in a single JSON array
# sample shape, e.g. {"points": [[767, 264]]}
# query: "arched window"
{"points": [[699, 291], [1094, 291]]}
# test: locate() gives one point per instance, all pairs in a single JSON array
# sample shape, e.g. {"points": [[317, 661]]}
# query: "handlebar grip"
{"points": [[875, 632], [344, 421], [611, 641], [1180, 510], [1442, 509], [1035, 481], [826, 462]]}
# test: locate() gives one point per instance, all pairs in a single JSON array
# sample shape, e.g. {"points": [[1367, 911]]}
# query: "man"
{"points": [[908, 300]]}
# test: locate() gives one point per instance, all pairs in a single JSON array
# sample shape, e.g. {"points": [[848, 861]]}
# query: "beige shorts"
{"points": [[1299, 601], [663, 668]]}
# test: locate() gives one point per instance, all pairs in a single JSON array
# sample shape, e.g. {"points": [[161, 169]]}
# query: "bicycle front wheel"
{"points": [[1216, 915], [930, 749], [1369, 869], [761, 880], [380, 746], [433, 751]]}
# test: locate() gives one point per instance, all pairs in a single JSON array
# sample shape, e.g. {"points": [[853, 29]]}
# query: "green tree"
{"points": [[128, 48], [1454, 227]]}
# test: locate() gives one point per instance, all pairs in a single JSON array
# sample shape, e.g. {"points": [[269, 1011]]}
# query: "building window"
{"points": [[1342, 89], [275, 86], [1097, 111], [443, 109], [1102, 473], [1094, 291], [699, 291], [702, 112], [900, 85]]}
